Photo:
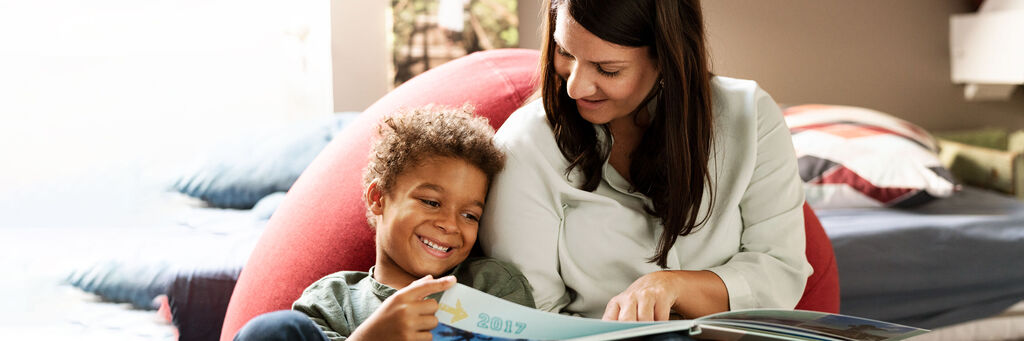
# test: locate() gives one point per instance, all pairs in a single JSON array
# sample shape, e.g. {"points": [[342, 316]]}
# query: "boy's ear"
{"points": [[375, 198]]}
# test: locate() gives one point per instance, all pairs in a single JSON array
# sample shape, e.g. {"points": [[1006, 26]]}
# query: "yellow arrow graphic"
{"points": [[457, 312]]}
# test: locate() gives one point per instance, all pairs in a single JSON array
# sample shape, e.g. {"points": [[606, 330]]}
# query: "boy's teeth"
{"points": [[435, 246]]}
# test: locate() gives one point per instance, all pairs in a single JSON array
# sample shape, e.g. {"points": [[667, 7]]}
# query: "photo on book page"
{"points": [[835, 325], [444, 332]]}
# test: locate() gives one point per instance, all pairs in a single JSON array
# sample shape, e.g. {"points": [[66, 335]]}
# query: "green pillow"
{"points": [[994, 138]]}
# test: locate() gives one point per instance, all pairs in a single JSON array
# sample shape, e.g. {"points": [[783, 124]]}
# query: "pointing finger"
{"points": [[426, 286]]}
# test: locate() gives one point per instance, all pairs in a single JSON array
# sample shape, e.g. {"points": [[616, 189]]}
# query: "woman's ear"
{"points": [[375, 198]]}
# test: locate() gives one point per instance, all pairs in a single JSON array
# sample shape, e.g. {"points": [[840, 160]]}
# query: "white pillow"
{"points": [[855, 157]]}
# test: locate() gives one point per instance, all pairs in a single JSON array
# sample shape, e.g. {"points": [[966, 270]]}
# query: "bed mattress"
{"points": [[947, 262], [38, 259]]}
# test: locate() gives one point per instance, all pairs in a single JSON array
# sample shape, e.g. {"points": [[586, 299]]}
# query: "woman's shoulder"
{"points": [[526, 124], [527, 135], [737, 100], [733, 85], [735, 92]]}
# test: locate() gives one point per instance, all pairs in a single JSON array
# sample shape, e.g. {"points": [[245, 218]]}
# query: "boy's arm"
{"points": [[324, 302], [406, 315], [517, 290], [497, 278], [321, 322]]}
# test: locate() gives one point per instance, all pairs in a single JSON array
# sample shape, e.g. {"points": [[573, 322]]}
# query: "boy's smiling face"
{"points": [[427, 221]]}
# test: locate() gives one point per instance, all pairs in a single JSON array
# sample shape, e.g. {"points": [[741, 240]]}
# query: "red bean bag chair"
{"points": [[321, 228], [822, 290]]}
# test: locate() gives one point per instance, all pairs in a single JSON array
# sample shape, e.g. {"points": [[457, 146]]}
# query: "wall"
{"points": [[359, 50], [887, 55], [100, 85], [531, 24]]}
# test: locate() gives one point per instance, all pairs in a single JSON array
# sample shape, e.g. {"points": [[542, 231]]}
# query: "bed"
{"points": [[913, 244], [137, 252], [946, 263], [922, 267], [951, 264], [38, 261]]}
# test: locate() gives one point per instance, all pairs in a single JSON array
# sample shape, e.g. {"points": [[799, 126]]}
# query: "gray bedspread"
{"points": [[950, 261]]}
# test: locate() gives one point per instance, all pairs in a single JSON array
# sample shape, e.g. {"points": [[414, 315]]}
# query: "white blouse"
{"points": [[578, 249]]}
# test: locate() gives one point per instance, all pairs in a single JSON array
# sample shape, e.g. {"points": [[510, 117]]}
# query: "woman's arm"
{"points": [[770, 268]]}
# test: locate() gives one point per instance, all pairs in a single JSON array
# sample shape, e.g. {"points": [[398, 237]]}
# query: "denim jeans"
{"points": [[279, 326]]}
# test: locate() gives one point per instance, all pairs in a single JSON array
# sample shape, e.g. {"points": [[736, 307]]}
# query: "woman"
{"points": [[640, 185]]}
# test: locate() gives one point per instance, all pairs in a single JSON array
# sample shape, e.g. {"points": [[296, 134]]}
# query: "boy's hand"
{"points": [[406, 315]]}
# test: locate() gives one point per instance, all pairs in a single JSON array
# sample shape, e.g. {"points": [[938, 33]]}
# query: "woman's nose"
{"points": [[579, 85]]}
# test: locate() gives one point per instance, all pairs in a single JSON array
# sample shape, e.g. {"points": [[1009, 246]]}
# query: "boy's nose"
{"points": [[447, 223]]}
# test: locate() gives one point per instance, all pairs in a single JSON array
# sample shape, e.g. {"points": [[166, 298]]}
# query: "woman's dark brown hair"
{"points": [[670, 165]]}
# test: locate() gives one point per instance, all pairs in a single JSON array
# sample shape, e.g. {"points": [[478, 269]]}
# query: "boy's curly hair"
{"points": [[409, 136]]}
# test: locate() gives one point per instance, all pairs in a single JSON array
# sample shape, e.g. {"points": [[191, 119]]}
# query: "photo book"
{"points": [[468, 314]]}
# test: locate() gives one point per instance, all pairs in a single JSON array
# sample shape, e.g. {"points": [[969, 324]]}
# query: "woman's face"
{"points": [[608, 81]]}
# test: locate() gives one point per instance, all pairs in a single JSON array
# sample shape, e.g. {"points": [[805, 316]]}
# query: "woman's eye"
{"points": [[606, 72], [430, 203], [563, 53]]}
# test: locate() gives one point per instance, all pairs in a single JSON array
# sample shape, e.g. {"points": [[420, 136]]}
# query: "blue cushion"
{"points": [[151, 268], [125, 281], [239, 174]]}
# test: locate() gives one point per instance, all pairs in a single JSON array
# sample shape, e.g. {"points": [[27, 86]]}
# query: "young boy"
{"points": [[425, 188]]}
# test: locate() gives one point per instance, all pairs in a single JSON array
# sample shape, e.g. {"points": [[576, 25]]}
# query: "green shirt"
{"points": [[340, 302]]}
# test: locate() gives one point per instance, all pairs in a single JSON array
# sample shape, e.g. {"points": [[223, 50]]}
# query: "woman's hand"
{"points": [[655, 296], [649, 298], [406, 315]]}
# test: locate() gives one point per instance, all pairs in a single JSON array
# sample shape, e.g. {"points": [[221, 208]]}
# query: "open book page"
{"points": [[465, 313], [812, 325], [473, 311]]}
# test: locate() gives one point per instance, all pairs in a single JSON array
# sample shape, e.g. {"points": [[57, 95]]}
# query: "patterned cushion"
{"points": [[855, 157]]}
